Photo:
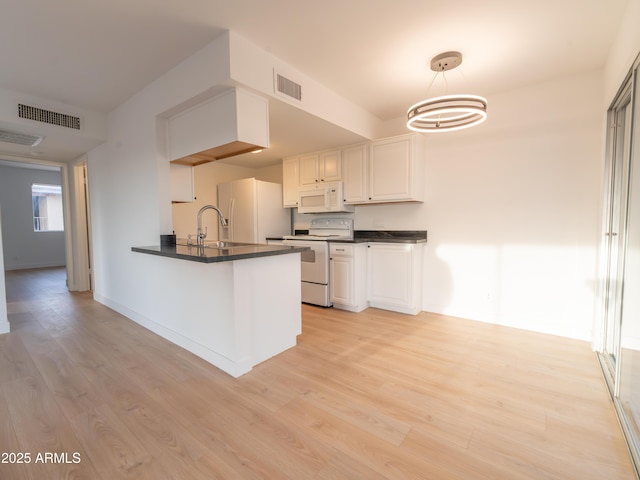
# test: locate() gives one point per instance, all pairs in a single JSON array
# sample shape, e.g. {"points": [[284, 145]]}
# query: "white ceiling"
{"points": [[97, 54]]}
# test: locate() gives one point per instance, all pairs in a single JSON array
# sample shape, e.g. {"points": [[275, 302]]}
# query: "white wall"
{"points": [[514, 211], [272, 174], [24, 248]]}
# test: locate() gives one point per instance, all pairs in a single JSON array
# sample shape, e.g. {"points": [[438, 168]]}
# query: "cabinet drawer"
{"points": [[340, 250]]}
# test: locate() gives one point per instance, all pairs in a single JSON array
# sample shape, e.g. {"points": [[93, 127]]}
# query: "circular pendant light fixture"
{"points": [[449, 112]]}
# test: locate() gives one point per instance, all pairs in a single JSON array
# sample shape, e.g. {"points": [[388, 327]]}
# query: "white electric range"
{"points": [[315, 261]]}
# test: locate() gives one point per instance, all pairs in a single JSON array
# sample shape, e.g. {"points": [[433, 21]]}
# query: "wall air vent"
{"points": [[20, 138], [287, 87], [48, 116]]}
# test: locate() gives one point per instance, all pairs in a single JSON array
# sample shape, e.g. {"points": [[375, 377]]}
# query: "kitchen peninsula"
{"points": [[234, 305]]}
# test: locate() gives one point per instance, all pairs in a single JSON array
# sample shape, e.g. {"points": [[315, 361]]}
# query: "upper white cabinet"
{"points": [[290, 179], [234, 122], [181, 183], [396, 169], [381, 171], [309, 170], [330, 164], [355, 173], [384, 171], [320, 167]]}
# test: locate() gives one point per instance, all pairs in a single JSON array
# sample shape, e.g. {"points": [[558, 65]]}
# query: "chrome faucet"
{"points": [[201, 235]]}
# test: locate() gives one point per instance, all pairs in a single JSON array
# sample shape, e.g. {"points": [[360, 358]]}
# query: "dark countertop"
{"points": [[214, 255], [386, 236], [390, 236]]}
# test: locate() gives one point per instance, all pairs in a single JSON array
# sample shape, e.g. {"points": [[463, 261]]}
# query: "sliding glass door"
{"points": [[620, 346], [615, 225], [629, 370]]}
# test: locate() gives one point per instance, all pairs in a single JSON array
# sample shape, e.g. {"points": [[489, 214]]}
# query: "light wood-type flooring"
{"points": [[374, 395]]}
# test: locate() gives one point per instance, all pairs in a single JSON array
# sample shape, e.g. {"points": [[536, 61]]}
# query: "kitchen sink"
{"points": [[216, 244], [225, 244]]}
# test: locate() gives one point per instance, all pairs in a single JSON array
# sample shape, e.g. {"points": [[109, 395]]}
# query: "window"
{"points": [[47, 208]]}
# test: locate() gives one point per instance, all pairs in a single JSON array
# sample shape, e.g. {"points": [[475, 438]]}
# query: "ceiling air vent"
{"points": [[287, 87], [48, 116], [20, 138]]}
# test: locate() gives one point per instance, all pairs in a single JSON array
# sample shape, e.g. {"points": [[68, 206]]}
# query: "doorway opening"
{"points": [[71, 251]]}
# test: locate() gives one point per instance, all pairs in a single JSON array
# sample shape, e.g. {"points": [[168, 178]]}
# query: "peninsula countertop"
{"points": [[213, 254], [232, 304]]}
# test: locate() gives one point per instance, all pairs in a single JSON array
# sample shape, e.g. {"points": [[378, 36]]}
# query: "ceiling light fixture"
{"points": [[449, 112]]}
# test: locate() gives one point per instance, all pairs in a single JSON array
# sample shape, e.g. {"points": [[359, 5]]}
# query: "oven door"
{"points": [[315, 261]]}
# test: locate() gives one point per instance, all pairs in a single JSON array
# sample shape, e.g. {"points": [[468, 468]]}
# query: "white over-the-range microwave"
{"points": [[323, 197]]}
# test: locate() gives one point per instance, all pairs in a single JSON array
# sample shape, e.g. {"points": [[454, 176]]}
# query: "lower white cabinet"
{"points": [[394, 276], [347, 274]]}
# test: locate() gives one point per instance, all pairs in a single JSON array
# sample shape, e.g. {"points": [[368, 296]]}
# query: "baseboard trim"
{"points": [[233, 368], [28, 266]]}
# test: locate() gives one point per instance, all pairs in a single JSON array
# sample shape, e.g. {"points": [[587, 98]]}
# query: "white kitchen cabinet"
{"points": [[290, 181], [355, 173], [181, 183], [347, 276], [320, 167], [309, 169], [231, 123], [330, 165], [396, 169], [394, 274], [382, 171]]}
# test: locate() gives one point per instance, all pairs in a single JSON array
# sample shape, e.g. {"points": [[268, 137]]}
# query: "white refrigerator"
{"points": [[253, 210]]}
